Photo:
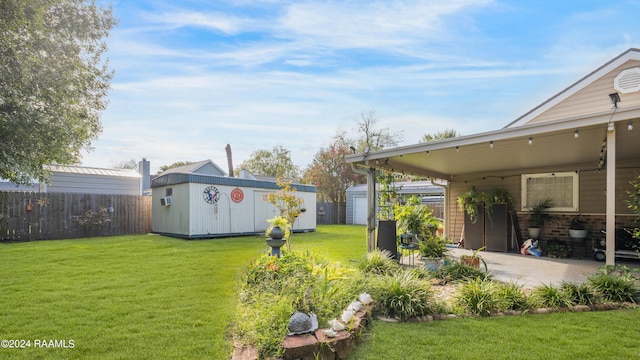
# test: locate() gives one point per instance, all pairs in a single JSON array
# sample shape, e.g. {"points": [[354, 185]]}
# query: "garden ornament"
{"points": [[365, 298], [336, 325], [301, 323]]}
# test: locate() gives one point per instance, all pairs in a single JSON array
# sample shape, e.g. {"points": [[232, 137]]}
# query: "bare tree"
{"points": [[373, 138]]}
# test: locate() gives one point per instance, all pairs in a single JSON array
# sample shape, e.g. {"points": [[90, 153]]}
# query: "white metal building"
{"points": [[204, 203], [430, 194], [90, 180]]}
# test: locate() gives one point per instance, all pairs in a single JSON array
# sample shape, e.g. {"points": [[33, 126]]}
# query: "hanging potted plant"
{"points": [[470, 202], [539, 217], [578, 228]]}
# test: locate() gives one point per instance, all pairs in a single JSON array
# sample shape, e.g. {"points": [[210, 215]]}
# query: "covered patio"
{"points": [[587, 130]]}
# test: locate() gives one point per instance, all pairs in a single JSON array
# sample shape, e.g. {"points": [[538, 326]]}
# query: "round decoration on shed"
{"points": [[211, 195], [237, 195]]}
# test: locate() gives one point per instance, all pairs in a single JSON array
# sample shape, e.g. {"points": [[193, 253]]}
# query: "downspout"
{"points": [[371, 205]]}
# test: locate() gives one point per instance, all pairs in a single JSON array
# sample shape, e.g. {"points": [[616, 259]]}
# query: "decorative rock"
{"points": [[452, 316], [541, 311], [427, 318], [387, 319], [347, 315], [336, 325], [580, 308], [365, 298], [513, 312], [439, 317], [355, 306], [497, 314]]}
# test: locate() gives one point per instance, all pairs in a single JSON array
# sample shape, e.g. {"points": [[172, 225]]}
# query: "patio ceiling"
{"points": [[553, 144]]}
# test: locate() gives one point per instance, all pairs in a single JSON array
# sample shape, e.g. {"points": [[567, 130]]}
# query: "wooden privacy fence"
{"points": [[28, 216]]}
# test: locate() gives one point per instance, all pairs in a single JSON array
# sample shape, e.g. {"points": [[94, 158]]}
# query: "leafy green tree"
{"points": [[164, 168], [276, 163], [331, 174], [53, 83], [444, 134]]}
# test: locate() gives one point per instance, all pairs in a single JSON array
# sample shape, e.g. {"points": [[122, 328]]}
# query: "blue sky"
{"points": [[192, 76]]}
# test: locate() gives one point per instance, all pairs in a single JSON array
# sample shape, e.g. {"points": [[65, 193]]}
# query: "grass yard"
{"points": [[136, 297], [590, 335], [154, 297]]}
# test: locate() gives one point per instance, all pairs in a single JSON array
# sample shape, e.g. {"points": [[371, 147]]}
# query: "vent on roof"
{"points": [[628, 81]]}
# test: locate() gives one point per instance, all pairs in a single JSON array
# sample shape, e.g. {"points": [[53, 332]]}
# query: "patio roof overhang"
{"points": [[553, 144]]}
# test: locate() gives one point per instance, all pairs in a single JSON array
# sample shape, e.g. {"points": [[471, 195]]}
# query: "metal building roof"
{"points": [[84, 170]]}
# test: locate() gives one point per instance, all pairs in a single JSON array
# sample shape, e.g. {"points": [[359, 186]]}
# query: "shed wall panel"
{"points": [[93, 184]]}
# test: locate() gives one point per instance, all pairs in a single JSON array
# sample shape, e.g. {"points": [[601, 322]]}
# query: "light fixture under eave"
{"points": [[491, 144], [576, 134], [457, 148], [630, 125], [427, 152], [615, 99], [530, 140]]}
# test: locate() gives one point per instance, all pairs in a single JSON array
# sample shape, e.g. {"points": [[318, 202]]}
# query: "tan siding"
{"points": [[591, 192], [591, 99]]}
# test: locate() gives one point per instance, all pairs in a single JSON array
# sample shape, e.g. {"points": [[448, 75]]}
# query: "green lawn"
{"points": [[153, 297], [136, 297]]}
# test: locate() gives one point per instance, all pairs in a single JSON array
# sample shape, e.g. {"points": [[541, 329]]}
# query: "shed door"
{"points": [[360, 210], [263, 210]]}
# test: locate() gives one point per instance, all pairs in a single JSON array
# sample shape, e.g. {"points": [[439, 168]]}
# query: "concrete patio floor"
{"points": [[531, 271]]}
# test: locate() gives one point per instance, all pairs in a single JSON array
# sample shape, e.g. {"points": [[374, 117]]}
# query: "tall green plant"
{"points": [[633, 202], [413, 217], [288, 204], [387, 195]]}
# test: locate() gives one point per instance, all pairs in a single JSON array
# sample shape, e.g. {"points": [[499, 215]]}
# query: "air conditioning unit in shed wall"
{"points": [[165, 201]]}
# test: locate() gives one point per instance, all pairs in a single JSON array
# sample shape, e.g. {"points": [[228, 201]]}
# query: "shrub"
{"points": [[379, 262], [457, 270], [511, 297], [551, 296], [477, 296], [93, 221], [579, 294], [615, 284], [273, 288], [402, 294]]}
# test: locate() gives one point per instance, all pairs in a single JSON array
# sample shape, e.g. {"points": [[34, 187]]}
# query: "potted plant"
{"points": [[387, 198], [412, 217], [539, 217], [578, 228], [470, 202], [474, 259], [433, 249]]}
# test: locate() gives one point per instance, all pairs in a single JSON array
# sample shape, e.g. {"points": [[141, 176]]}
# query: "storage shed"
{"points": [[430, 194], [204, 203]]}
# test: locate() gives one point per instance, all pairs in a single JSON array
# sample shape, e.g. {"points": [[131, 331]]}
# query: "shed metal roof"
{"points": [[182, 178], [84, 170]]}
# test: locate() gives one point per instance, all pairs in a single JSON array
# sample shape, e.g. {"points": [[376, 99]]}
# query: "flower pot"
{"points": [[471, 261], [578, 234], [534, 232], [387, 237], [432, 264]]}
